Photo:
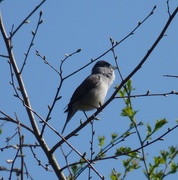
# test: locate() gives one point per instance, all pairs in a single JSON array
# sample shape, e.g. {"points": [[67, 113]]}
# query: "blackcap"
{"points": [[92, 91]]}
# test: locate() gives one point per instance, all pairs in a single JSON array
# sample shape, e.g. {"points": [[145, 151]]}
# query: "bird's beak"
{"points": [[114, 67]]}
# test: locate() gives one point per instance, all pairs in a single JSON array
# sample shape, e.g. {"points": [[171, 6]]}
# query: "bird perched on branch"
{"points": [[92, 91]]}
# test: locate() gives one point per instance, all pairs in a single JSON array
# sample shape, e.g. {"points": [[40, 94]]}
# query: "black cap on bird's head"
{"points": [[91, 93], [101, 64]]}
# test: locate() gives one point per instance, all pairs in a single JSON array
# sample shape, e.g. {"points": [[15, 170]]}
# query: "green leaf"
{"points": [[126, 162], [131, 164], [74, 169], [129, 85], [114, 136], [159, 124], [149, 130], [159, 160], [174, 167], [114, 175], [101, 141], [122, 150], [126, 90], [173, 150], [128, 111], [164, 154], [101, 154], [121, 93]]}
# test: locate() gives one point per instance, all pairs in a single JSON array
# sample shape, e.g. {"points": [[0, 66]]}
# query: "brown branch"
{"points": [[160, 138], [34, 33], [25, 20], [57, 97], [174, 76], [18, 76], [4, 56], [99, 158], [39, 161], [122, 83], [168, 8], [26, 100], [147, 94], [116, 44], [21, 155], [8, 118]]}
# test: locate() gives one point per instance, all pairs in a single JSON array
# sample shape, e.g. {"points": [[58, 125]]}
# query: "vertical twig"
{"points": [[32, 41], [44, 146], [91, 147], [21, 141], [25, 20], [168, 8]]}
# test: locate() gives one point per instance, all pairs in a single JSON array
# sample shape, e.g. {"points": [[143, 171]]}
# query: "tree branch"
{"points": [[26, 100], [24, 21], [122, 83]]}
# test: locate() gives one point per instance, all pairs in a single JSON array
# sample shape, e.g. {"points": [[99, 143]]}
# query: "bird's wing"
{"points": [[87, 85]]}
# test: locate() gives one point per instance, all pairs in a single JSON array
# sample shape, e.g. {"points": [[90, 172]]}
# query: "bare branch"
{"points": [[57, 97], [27, 104], [34, 33], [148, 94], [4, 56], [46, 62], [171, 76], [25, 20], [122, 83], [39, 161], [168, 8]]}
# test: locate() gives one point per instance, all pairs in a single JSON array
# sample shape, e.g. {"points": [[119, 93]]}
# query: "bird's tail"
{"points": [[70, 114]]}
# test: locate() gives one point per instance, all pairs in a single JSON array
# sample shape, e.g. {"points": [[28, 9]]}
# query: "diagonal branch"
{"points": [[8, 118], [44, 146], [24, 21], [34, 33], [18, 76], [122, 83]]}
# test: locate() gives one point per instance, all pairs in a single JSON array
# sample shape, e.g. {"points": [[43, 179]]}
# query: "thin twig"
{"points": [[66, 159], [46, 62], [116, 44], [168, 8], [13, 163], [56, 97], [169, 163], [21, 141], [34, 33], [4, 56], [122, 83], [160, 138], [174, 76], [147, 94], [39, 161], [17, 146], [8, 118], [91, 147], [26, 100], [116, 57], [25, 20]]}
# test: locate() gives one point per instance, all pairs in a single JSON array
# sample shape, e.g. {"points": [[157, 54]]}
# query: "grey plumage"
{"points": [[92, 91]]}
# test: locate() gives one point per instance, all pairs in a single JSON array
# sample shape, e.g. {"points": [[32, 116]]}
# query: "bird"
{"points": [[91, 93]]}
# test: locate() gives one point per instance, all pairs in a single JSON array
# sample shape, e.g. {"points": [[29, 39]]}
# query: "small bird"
{"points": [[92, 91]]}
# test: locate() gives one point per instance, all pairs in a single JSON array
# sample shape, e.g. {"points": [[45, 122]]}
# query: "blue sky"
{"points": [[68, 26]]}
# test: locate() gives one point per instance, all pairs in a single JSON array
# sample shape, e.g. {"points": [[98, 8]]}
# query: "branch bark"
{"points": [[122, 83], [26, 101]]}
